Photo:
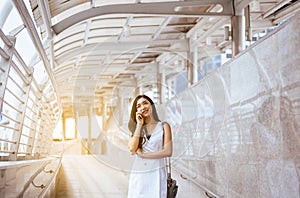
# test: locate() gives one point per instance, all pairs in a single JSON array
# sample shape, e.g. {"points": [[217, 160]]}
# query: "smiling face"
{"points": [[144, 107]]}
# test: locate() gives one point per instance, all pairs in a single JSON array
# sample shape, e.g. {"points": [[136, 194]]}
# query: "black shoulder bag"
{"points": [[172, 186]]}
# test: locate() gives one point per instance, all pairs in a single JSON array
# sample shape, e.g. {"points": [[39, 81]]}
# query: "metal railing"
{"points": [[28, 115]]}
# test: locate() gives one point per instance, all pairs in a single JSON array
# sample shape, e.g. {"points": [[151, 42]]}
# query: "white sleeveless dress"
{"points": [[148, 177]]}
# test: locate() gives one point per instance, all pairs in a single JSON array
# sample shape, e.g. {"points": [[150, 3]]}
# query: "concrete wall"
{"points": [[236, 133], [28, 178]]}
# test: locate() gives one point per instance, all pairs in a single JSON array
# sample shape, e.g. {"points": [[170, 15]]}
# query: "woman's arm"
{"points": [[133, 142], [167, 146]]}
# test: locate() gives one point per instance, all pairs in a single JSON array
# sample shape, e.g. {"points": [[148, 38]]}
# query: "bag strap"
{"points": [[168, 159], [168, 165]]}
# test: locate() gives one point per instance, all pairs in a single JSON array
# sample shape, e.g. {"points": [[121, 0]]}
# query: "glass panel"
{"points": [[39, 73], [25, 46], [240, 124], [13, 20]]}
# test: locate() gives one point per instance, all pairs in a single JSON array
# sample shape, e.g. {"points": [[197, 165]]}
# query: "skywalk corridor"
{"points": [[224, 74], [94, 176]]}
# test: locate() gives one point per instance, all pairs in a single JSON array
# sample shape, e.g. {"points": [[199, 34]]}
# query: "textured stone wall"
{"points": [[236, 133]]}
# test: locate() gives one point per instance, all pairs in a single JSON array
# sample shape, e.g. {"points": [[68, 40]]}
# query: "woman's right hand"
{"points": [[139, 119]]}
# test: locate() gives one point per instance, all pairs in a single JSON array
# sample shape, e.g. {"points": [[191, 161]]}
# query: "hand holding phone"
{"points": [[139, 119]]}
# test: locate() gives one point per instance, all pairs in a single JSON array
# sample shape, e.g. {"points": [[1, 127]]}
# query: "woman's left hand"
{"points": [[139, 152]]}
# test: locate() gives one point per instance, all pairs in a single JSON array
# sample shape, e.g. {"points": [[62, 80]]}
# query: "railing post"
{"points": [[21, 117], [47, 132], [34, 124], [4, 68], [5, 65]]}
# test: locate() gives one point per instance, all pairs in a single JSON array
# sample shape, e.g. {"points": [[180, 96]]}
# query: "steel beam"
{"points": [[46, 17], [21, 7], [174, 8]]}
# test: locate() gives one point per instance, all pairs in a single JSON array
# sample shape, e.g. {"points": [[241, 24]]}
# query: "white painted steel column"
{"points": [[5, 66], [195, 62], [163, 86], [64, 127], [90, 116], [189, 65], [192, 61], [139, 89], [76, 123], [158, 84], [103, 114], [238, 33]]}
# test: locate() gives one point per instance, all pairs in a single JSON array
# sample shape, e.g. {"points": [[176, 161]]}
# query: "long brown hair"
{"points": [[132, 121]]}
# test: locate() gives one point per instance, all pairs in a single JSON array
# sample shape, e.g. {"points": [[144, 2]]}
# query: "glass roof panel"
{"points": [[13, 20], [24, 46]]}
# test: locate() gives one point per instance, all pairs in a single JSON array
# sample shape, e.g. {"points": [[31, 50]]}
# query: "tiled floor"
{"points": [[85, 176]]}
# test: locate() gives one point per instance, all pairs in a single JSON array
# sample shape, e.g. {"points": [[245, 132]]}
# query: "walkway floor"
{"points": [[84, 176]]}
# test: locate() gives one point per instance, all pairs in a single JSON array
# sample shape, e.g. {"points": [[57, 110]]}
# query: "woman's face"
{"points": [[144, 107]]}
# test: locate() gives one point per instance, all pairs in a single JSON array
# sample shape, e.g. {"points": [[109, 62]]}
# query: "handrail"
{"points": [[25, 163], [48, 185], [21, 89], [193, 179], [15, 102], [32, 178], [14, 164]]}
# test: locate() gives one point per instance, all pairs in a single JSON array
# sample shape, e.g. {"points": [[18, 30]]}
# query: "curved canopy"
{"points": [[102, 49]]}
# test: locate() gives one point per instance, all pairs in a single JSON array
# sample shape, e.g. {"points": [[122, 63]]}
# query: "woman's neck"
{"points": [[149, 121]]}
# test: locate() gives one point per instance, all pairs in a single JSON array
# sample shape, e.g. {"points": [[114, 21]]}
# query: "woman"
{"points": [[151, 141]]}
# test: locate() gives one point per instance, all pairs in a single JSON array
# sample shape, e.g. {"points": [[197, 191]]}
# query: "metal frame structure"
{"points": [[97, 48], [98, 54]]}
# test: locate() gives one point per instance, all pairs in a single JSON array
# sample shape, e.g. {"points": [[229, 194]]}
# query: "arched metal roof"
{"points": [[101, 49]]}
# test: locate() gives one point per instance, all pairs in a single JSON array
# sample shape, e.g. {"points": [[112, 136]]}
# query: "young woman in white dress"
{"points": [[151, 141]]}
